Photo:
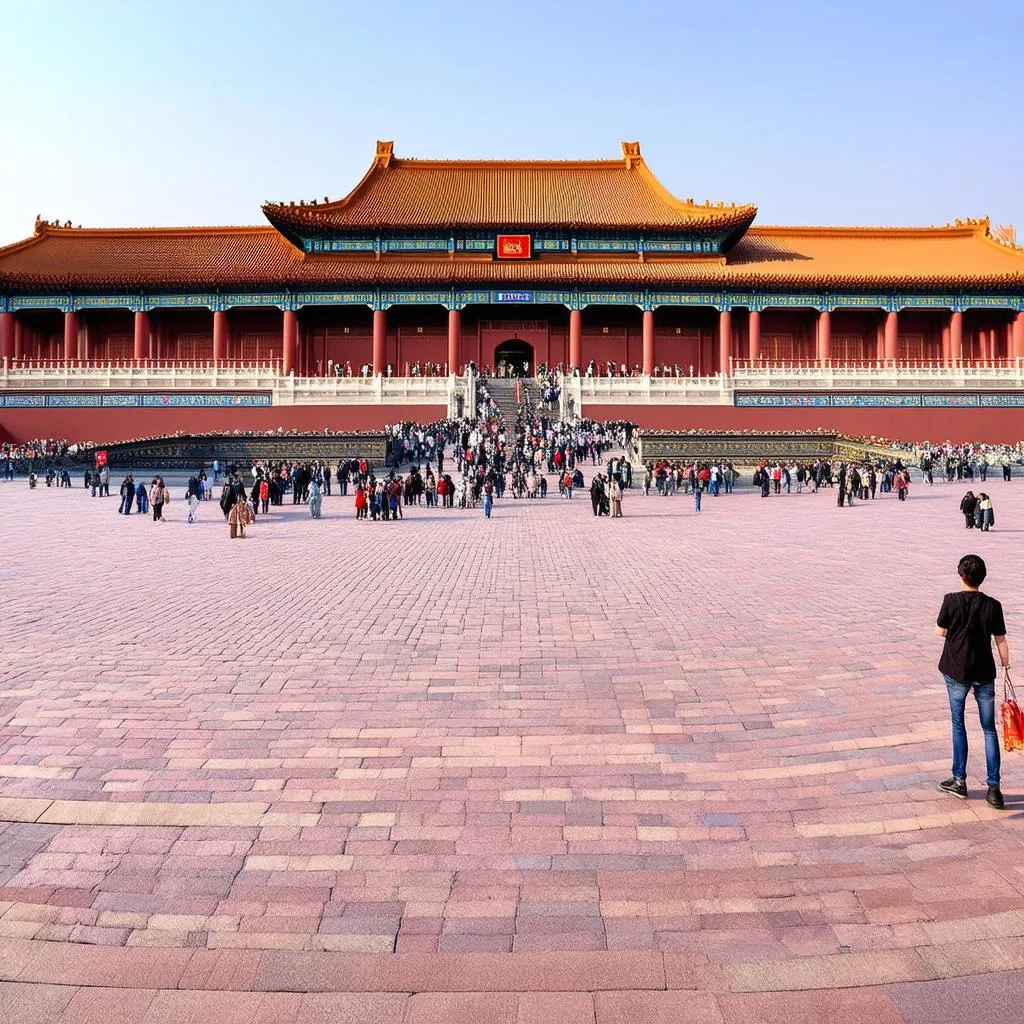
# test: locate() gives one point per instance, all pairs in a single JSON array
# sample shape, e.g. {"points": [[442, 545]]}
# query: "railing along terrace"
{"points": [[644, 387], [1011, 363], [920, 374], [342, 387], [63, 365]]}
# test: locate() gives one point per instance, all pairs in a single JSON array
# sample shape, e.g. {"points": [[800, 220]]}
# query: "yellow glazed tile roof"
{"points": [[423, 194]]}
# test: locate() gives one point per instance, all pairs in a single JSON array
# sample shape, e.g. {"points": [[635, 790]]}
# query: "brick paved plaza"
{"points": [[543, 768]]}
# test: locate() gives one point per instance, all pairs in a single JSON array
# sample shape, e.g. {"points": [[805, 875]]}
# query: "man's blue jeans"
{"points": [[985, 695]]}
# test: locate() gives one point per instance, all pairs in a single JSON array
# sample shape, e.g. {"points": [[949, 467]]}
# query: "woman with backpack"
{"points": [[158, 495], [902, 484], [983, 513], [615, 498]]}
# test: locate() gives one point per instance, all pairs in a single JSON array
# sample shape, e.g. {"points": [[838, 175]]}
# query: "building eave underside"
{"points": [[17, 285]]}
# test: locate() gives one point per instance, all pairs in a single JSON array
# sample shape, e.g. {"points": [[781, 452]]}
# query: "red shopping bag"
{"points": [[1012, 715]]}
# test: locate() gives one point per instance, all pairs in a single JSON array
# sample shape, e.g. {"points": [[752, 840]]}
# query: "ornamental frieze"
{"points": [[459, 298]]}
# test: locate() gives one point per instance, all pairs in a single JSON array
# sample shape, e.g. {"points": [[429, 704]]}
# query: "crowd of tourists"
{"points": [[966, 462], [492, 458], [667, 478], [27, 456], [609, 368], [419, 368]]}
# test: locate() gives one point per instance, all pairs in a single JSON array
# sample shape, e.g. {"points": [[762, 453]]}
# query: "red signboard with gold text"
{"points": [[513, 247]]}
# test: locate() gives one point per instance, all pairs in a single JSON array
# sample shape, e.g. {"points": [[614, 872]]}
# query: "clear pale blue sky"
{"points": [[185, 112]]}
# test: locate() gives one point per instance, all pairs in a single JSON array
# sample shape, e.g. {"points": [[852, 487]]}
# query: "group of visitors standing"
{"points": [[956, 462], [606, 495], [143, 496], [977, 511], [670, 478]]}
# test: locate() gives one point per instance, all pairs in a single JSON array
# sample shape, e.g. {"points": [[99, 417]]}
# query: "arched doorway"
{"points": [[514, 358]]}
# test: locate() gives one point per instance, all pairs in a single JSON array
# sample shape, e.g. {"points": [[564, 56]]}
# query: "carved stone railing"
{"points": [[60, 376], [364, 390], [290, 390], [655, 390], [720, 390], [1003, 375]]}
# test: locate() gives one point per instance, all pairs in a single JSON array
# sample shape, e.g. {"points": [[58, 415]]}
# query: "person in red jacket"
{"points": [[360, 502]]}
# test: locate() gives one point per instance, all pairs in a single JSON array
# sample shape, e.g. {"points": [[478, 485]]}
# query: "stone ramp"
{"points": [[749, 447], [187, 451]]}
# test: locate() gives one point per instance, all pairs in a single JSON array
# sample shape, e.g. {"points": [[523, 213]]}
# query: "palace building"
{"points": [[684, 312]]}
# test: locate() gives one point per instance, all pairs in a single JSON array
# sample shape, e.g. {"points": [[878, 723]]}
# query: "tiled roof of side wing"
{"points": [[58, 256], [401, 193], [961, 254]]}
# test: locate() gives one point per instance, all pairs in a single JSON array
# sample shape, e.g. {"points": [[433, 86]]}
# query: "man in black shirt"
{"points": [[969, 621]]}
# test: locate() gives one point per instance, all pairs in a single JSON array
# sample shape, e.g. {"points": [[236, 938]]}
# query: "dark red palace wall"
{"points": [[993, 426], [124, 424]]}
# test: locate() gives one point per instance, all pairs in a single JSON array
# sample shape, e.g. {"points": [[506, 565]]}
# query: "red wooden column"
{"points": [[220, 335], [648, 348], [454, 339], [7, 336], [956, 336], [755, 336], [575, 338], [946, 347], [289, 341], [141, 350], [70, 336], [824, 352], [1017, 334], [892, 335], [380, 327], [724, 340]]}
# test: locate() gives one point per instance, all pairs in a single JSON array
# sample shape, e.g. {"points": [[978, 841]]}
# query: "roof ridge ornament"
{"points": [[385, 151], [1006, 234], [980, 224], [631, 154]]}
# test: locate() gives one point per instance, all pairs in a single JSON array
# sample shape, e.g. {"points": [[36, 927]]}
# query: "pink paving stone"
{"points": [[843, 1006], [486, 710], [108, 1006], [226, 1007], [462, 1008], [563, 1007], [33, 1004], [680, 1007]]}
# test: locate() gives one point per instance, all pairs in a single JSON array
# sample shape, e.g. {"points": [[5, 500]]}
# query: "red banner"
{"points": [[513, 247], [101, 459]]}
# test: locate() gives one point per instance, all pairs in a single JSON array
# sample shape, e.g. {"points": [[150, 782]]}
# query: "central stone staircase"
{"points": [[503, 392]]}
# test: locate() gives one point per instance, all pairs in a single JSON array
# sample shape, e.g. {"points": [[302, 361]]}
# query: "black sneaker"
{"points": [[994, 798], [955, 787]]}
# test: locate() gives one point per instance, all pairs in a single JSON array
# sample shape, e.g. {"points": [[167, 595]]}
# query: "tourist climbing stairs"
{"points": [[503, 392]]}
